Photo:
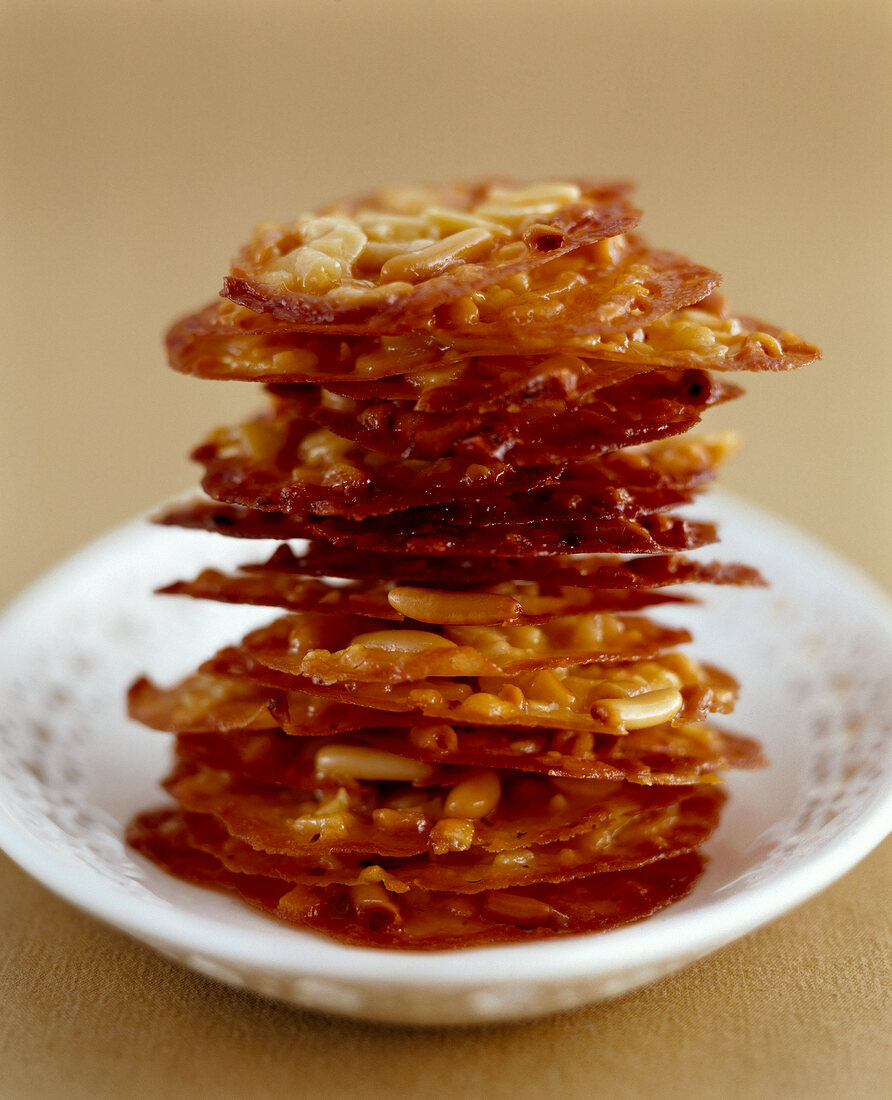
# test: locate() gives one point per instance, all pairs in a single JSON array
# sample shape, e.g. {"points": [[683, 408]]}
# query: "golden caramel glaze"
{"points": [[283, 463], [647, 534], [334, 648], [509, 603], [625, 834], [388, 262], [533, 429], [663, 755], [418, 919], [650, 573], [225, 341], [395, 816]]}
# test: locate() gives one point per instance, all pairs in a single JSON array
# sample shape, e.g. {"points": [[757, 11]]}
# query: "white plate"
{"points": [[814, 654]]}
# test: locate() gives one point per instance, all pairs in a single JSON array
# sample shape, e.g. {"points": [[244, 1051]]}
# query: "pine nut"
{"points": [[483, 705], [402, 641], [639, 711], [371, 901], [364, 762], [429, 605], [475, 796], [517, 909], [410, 267]]}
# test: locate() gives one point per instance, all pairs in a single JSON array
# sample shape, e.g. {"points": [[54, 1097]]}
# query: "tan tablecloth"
{"points": [[140, 142], [798, 1009]]}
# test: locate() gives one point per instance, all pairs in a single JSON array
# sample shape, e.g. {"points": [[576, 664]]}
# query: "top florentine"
{"points": [[410, 279], [409, 235], [475, 255]]}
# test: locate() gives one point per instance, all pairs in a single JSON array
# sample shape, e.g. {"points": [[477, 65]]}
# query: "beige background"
{"points": [[140, 141]]}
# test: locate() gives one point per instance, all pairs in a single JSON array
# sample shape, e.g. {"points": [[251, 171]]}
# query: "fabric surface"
{"points": [[799, 1009]]}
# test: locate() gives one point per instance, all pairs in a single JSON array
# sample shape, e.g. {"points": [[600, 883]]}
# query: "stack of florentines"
{"points": [[473, 734]]}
